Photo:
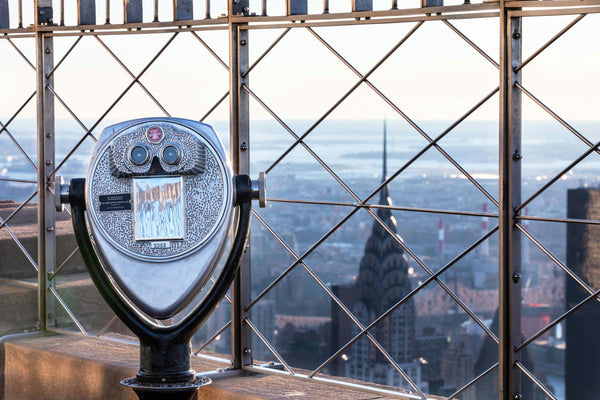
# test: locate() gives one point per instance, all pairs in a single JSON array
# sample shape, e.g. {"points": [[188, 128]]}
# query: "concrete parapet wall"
{"points": [[23, 225], [60, 367]]}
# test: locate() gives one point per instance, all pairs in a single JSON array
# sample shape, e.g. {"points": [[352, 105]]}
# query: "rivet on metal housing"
{"points": [[247, 350], [516, 277], [517, 35], [244, 146], [243, 42], [48, 50], [517, 156], [517, 396], [48, 162], [50, 229]]}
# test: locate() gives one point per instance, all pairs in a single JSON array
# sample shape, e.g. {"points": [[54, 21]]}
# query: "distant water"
{"points": [[354, 148]]}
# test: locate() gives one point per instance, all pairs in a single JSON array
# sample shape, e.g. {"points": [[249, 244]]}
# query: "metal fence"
{"points": [[235, 40]]}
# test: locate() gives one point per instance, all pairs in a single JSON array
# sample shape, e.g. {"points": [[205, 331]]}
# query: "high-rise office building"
{"points": [[583, 258], [382, 281]]}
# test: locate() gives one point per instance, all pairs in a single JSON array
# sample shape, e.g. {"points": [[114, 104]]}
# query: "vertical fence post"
{"points": [[510, 198], [45, 162], [240, 135]]}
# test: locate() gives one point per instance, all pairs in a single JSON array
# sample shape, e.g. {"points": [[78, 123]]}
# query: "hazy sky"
{"points": [[434, 75]]}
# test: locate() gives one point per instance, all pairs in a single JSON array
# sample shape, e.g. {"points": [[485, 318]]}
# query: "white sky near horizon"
{"points": [[435, 75]]}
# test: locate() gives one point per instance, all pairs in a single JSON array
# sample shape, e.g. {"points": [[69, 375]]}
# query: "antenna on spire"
{"points": [[384, 150]]}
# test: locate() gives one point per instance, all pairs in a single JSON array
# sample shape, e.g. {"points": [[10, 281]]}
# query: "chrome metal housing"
{"points": [[159, 234]]}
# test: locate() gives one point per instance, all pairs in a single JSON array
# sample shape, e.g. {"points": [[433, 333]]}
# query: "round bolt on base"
{"points": [[166, 391]]}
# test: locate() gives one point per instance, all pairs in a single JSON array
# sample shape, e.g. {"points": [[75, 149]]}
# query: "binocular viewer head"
{"points": [[159, 197]]}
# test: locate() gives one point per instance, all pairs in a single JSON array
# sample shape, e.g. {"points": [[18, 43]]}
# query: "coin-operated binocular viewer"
{"points": [[161, 203]]}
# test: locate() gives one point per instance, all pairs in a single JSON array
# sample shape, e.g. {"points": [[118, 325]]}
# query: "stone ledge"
{"points": [[56, 367]]}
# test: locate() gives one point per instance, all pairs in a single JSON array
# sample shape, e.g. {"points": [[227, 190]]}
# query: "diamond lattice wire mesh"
{"points": [[323, 221], [18, 177], [138, 88]]}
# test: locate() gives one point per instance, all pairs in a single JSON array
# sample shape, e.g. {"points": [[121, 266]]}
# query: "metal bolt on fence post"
{"points": [[516, 277]]}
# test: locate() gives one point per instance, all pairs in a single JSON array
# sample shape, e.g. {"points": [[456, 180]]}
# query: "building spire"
{"points": [[384, 176], [385, 191]]}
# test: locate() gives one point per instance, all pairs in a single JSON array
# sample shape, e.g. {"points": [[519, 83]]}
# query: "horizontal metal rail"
{"points": [[17, 180], [561, 220], [385, 207]]}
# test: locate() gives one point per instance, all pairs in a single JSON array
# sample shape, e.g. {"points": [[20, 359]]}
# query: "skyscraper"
{"points": [[583, 258], [382, 281]]}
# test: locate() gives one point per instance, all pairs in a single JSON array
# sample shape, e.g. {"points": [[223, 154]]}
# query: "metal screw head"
{"points": [[517, 156], [516, 277], [243, 42], [247, 350], [50, 229], [517, 396], [48, 50], [244, 146], [517, 35], [48, 162]]}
